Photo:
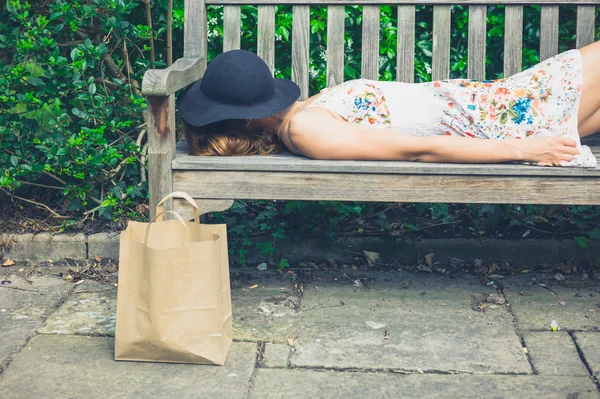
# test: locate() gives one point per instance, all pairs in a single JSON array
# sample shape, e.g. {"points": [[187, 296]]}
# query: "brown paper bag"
{"points": [[174, 300]]}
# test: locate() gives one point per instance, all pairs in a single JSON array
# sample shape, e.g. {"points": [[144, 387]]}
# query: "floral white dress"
{"points": [[540, 101]]}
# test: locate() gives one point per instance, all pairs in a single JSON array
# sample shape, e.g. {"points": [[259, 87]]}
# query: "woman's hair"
{"points": [[231, 137]]}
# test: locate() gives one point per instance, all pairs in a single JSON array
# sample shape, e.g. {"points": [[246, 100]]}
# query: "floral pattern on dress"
{"points": [[358, 102], [542, 100]]}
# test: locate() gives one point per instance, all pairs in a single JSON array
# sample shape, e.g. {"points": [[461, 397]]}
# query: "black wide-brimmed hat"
{"points": [[237, 84]]}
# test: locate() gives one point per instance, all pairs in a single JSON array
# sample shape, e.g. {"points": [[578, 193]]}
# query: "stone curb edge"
{"points": [[45, 246]]}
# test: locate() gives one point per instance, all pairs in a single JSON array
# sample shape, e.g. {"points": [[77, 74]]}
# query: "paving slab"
{"points": [[55, 366], [407, 323], [282, 383], [536, 310], [24, 306], [265, 313], [276, 355], [589, 343], [91, 309], [554, 353]]}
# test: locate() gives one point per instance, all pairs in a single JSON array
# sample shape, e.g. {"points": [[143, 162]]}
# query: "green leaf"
{"points": [[14, 160], [105, 203], [594, 234], [582, 241], [92, 89]]}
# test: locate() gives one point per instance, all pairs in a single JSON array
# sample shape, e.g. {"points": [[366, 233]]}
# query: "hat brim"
{"points": [[197, 109]]}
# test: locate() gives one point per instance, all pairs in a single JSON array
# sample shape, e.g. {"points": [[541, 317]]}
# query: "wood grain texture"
{"points": [[300, 47], [396, 2], [266, 35], [164, 82], [548, 32], [476, 42], [370, 42], [405, 48], [387, 188], [586, 16], [231, 28], [161, 148], [513, 40], [194, 30], [440, 68], [335, 45], [287, 162]]}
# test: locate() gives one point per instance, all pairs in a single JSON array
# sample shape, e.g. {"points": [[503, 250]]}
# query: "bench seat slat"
{"points": [[287, 162], [386, 187]]}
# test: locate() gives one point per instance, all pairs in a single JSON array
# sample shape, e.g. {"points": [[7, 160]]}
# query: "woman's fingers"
{"points": [[569, 142]]}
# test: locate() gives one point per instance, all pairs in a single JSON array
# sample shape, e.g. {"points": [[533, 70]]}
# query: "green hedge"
{"points": [[72, 127]]}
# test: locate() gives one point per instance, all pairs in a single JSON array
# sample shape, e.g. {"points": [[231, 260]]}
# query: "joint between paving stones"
{"points": [[44, 316], [583, 360], [519, 332], [260, 352]]}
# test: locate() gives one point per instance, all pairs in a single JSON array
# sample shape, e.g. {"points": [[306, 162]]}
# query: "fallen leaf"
{"points": [[429, 259], [386, 335], [253, 286], [559, 277], [79, 282], [525, 349], [424, 268], [524, 293], [9, 262], [69, 277], [372, 257], [290, 342], [561, 302], [98, 259], [262, 267]]}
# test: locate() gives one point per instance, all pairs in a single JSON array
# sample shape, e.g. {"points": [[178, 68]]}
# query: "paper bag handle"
{"points": [[158, 218], [178, 194]]}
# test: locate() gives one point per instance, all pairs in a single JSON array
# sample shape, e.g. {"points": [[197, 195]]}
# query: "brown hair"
{"points": [[231, 137]]}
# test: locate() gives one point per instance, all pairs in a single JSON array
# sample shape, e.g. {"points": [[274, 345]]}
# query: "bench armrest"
{"points": [[164, 82]]}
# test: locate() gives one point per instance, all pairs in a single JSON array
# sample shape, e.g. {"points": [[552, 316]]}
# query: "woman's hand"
{"points": [[547, 149]]}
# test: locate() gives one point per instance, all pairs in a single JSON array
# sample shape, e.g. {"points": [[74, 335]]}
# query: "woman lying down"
{"points": [[536, 116]]}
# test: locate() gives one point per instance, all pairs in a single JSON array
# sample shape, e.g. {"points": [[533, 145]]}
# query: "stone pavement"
{"points": [[358, 334]]}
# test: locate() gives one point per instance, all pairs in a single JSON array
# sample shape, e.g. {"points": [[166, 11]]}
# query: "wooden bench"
{"points": [[215, 181]]}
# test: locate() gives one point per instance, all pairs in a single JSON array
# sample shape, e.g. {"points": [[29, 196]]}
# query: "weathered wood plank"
{"points": [[266, 35], [405, 48], [440, 68], [476, 42], [586, 16], [194, 32], [300, 47], [231, 28], [164, 82], [513, 40], [396, 2], [287, 162], [370, 42], [548, 32], [387, 188], [161, 148], [335, 45]]}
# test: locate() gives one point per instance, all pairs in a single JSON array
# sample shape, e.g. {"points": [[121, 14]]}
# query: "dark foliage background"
{"points": [[72, 125]]}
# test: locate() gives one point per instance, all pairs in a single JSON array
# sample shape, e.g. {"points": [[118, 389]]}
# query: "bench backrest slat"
{"points": [[513, 39], [266, 35], [194, 29], [335, 45], [440, 63], [548, 32], [476, 44], [300, 43], [231, 28], [405, 48], [370, 42], [586, 18]]}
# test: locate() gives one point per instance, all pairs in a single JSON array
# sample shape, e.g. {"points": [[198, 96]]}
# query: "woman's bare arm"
{"points": [[320, 136]]}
